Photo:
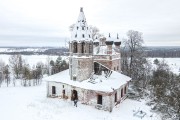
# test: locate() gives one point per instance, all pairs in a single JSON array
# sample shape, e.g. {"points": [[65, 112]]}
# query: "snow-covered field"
{"points": [[32, 59], [7, 50], [31, 103], [174, 63]]}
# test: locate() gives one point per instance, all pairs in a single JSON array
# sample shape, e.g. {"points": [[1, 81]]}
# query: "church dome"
{"points": [[117, 42], [109, 40]]}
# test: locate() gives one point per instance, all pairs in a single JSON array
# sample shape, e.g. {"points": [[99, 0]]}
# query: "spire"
{"points": [[117, 36], [81, 29], [81, 9]]}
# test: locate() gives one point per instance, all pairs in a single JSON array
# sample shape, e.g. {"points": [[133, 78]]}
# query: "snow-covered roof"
{"points": [[81, 31], [96, 40], [97, 83]]}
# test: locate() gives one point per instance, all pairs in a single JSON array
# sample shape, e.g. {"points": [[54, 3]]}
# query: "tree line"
{"points": [[154, 80], [19, 69]]}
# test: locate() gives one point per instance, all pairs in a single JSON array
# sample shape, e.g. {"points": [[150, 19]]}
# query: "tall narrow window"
{"points": [[125, 89], [75, 47], [83, 47], [99, 99], [77, 27], [89, 36], [82, 28], [122, 92], [87, 28], [115, 97], [83, 35], [53, 90]]}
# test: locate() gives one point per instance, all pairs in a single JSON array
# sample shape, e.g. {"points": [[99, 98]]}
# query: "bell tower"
{"points": [[81, 50]]}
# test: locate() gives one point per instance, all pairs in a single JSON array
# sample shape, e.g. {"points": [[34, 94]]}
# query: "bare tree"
{"points": [[6, 75], [71, 27], [2, 65], [16, 65], [134, 63], [26, 74]]}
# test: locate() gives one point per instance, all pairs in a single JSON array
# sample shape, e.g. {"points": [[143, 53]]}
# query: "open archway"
{"points": [[74, 95]]}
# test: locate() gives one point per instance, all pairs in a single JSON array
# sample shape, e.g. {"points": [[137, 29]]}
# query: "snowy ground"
{"points": [[174, 63], [31, 103]]}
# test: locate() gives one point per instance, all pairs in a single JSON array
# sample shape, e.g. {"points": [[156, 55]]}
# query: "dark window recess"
{"points": [[89, 36], [53, 90], [115, 97], [99, 99], [75, 47], [117, 68], [83, 47], [83, 35], [77, 28], [63, 86], [122, 92], [75, 35], [87, 28], [82, 28], [125, 90]]}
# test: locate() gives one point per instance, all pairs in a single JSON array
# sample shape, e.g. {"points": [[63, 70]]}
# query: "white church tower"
{"points": [[81, 50]]}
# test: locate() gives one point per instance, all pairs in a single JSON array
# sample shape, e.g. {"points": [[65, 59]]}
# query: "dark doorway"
{"points": [[74, 95], [99, 99], [96, 68], [64, 93], [53, 90], [122, 92], [115, 97]]}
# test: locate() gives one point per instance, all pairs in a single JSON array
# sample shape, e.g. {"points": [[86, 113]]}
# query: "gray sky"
{"points": [[46, 22]]}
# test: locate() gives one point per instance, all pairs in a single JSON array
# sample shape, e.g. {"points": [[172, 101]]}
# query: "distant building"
{"points": [[93, 76]]}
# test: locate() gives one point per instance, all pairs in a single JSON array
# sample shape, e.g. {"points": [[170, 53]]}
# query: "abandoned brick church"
{"points": [[94, 75]]}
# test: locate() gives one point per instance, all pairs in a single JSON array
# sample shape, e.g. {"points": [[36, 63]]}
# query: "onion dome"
{"points": [[96, 41], [117, 42], [109, 40]]}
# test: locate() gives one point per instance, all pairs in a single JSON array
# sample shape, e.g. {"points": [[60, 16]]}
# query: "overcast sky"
{"points": [[46, 22]]}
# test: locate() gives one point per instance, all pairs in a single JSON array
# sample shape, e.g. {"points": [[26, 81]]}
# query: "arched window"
{"points": [[75, 47], [83, 47]]}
